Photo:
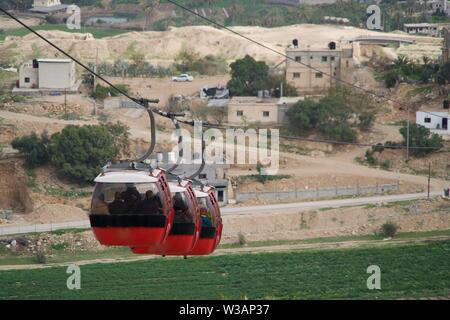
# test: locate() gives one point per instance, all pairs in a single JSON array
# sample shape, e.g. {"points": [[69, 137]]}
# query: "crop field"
{"points": [[98, 33], [406, 271]]}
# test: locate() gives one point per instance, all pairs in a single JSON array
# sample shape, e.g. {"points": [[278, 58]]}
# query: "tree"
{"points": [[248, 76], [79, 152], [34, 148], [422, 139], [366, 120], [121, 135], [185, 59], [443, 75]]}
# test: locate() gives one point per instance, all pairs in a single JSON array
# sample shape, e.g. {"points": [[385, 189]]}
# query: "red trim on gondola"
{"points": [[131, 236]]}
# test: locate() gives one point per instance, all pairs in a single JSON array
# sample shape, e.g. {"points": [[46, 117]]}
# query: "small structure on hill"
{"points": [[48, 6], [47, 76], [437, 122]]}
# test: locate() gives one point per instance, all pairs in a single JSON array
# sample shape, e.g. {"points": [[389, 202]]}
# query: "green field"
{"points": [[96, 32], [407, 271]]}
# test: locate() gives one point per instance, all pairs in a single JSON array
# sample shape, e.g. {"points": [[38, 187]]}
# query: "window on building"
{"points": [[319, 74], [202, 176], [220, 195], [427, 120], [296, 75], [240, 113], [266, 114], [298, 58], [27, 80], [332, 58], [324, 59]]}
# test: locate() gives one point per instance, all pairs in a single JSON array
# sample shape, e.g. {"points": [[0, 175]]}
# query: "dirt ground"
{"points": [[7, 23], [161, 47], [409, 217], [163, 88], [413, 216]]}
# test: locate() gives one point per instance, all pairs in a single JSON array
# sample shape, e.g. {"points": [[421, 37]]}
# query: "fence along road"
{"points": [[265, 209]]}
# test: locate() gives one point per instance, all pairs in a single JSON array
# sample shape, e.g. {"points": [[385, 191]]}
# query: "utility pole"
{"points": [[407, 137], [95, 70], [65, 100], [429, 179], [95, 83]]}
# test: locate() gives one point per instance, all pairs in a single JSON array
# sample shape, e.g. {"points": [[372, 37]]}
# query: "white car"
{"points": [[183, 78]]}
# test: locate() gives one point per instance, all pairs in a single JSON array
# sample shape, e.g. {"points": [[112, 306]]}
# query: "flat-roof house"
{"points": [[428, 29], [48, 75], [265, 111], [437, 122], [47, 6], [308, 68]]}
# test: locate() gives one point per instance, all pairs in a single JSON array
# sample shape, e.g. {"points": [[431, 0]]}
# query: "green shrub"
{"points": [[366, 120], [59, 246], [80, 152], [370, 159], [242, 241], [421, 140], [386, 164], [102, 92], [34, 147], [41, 257], [378, 148], [389, 229]]}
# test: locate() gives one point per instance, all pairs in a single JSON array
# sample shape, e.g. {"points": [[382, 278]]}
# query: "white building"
{"points": [[46, 3], [47, 6], [437, 122], [428, 29], [48, 75]]}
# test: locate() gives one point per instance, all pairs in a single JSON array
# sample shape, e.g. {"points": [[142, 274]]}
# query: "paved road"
{"points": [[265, 209], [302, 206]]}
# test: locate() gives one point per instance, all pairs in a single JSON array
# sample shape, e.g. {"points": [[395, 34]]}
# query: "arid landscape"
{"points": [[348, 181]]}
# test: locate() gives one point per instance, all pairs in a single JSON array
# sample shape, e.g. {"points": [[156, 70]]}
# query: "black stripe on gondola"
{"points": [[182, 229], [208, 233], [128, 220]]}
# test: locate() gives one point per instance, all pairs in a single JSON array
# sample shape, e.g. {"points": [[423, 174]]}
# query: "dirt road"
{"points": [[246, 250]]}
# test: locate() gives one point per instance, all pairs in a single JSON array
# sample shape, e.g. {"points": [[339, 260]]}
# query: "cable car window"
{"points": [[126, 198], [181, 207], [206, 212]]}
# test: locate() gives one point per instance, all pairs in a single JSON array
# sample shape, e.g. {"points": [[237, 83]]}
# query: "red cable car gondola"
{"points": [[211, 231], [185, 231], [119, 214]]}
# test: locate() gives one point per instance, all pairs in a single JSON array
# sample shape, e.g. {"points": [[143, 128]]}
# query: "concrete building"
{"points": [[48, 75], [215, 175], [243, 110], [335, 60], [426, 29], [442, 6], [264, 111], [47, 6], [46, 3], [437, 122]]}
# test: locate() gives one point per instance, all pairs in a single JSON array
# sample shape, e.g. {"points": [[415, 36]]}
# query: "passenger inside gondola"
{"points": [[205, 213], [100, 206], [150, 205], [118, 206], [181, 209], [131, 197]]}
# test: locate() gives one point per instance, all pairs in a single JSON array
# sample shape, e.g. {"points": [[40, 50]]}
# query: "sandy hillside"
{"points": [[162, 47]]}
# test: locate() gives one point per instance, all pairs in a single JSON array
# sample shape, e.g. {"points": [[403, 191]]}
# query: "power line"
{"points": [[290, 58], [190, 122]]}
